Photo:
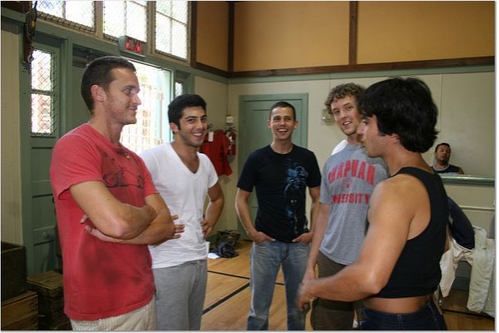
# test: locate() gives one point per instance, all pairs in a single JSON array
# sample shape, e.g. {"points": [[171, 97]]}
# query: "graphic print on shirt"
{"points": [[115, 175], [345, 174], [296, 181]]}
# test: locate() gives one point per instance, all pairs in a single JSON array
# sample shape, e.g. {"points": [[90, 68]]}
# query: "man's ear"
{"points": [[98, 93], [173, 127], [395, 137]]}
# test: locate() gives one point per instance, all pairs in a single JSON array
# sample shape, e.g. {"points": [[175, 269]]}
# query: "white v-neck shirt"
{"points": [[185, 194]]}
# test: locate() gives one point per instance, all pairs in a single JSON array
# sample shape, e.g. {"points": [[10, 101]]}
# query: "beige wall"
{"points": [[216, 94], [10, 138], [466, 120], [471, 133]]}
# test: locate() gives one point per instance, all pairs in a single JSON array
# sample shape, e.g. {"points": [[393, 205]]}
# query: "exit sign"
{"points": [[132, 45]]}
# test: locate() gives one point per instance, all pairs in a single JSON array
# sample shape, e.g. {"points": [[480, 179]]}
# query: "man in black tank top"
{"points": [[398, 269]]}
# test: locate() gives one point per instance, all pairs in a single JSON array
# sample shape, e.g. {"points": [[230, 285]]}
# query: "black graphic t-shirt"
{"points": [[281, 182]]}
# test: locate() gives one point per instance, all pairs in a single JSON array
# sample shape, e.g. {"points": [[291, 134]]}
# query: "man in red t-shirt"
{"points": [[108, 209]]}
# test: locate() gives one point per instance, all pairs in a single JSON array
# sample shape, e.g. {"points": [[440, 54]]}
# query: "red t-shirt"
{"points": [[101, 279], [217, 151]]}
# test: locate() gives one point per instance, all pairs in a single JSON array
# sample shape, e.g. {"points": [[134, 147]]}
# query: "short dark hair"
{"points": [[342, 91], [179, 103], [404, 107], [442, 144], [282, 104], [98, 72]]}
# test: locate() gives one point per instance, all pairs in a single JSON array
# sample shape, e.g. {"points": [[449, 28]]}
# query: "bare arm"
{"points": [[243, 213], [111, 216], [306, 238], [315, 194], [159, 230], [213, 210], [320, 224], [390, 219]]}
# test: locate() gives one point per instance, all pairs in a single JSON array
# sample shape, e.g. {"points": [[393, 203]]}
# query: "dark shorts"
{"points": [[332, 315]]}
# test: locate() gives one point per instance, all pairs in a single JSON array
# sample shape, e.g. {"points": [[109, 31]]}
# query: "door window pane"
{"points": [[42, 93]]}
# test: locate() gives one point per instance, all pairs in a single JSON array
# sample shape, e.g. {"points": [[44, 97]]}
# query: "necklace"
{"points": [[124, 152]]}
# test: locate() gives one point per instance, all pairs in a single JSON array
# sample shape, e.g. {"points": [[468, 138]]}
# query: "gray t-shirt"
{"points": [[348, 179]]}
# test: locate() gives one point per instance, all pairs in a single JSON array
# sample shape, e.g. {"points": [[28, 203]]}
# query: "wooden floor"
{"points": [[228, 300]]}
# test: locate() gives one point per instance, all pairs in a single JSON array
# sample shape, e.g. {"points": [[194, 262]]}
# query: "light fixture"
{"points": [[327, 117]]}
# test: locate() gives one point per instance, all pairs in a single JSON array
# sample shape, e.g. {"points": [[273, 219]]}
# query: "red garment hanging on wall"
{"points": [[217, 151]]}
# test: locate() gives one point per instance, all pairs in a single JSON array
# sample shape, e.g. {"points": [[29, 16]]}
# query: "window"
{"points": [[126, 18], [68, 12], [171, 27], [43, 94], [152, 127], [179, 88], [169, 32]]}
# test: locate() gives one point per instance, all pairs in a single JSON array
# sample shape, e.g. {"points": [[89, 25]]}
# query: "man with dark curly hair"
{"points": [[398, 268]]}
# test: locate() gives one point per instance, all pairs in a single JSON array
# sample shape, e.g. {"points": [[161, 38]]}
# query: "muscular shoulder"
{"points": [[401, 194]]}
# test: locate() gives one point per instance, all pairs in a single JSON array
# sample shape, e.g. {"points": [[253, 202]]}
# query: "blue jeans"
{"points": [[427, 318], [266, 259]]}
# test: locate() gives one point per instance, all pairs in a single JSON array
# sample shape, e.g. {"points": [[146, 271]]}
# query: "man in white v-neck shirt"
{"points": [[184, 177]]}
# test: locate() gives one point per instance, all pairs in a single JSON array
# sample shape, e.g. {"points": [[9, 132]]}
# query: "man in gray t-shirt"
{"points": [[348, 179]]}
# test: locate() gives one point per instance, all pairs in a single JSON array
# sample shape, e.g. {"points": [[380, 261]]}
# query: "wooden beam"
{"points": [[230, 56], [194, 28], [352, 40]]}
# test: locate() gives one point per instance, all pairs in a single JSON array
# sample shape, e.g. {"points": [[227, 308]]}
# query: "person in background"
{"points": [[441, 162], [398, 268], [348, 179], [280, 173], [184, 178], [107, 208]]}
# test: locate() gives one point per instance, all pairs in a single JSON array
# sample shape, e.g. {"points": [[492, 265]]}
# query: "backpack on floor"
{"points": [[226, 243]]}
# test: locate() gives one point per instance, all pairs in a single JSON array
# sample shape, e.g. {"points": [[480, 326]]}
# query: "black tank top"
{"points": [[417, 271]]}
